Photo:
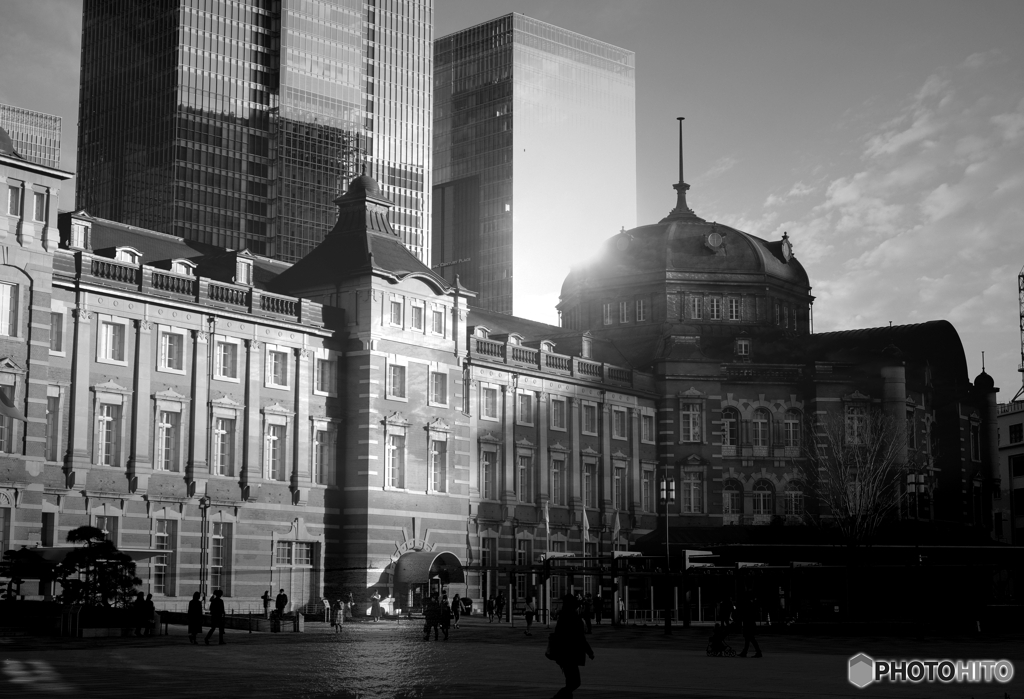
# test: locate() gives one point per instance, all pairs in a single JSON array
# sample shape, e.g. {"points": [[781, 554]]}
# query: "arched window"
{"points": [[763, 502], [126, 254], [730, 431], [760, 429], [732, 501], [791, 432], [794, 499]]}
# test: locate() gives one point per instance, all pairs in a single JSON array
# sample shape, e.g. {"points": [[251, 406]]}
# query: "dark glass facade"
{"points": [[238, 123], [36, 136], [524, 110]]}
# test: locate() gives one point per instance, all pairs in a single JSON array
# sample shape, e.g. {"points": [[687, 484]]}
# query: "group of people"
{"points": [[744, 616], [280, 603], [145, 614], [195, 617], [494, 606], [341, 612]]}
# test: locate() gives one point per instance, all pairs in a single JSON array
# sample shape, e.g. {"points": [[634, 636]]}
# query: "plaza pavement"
{"points": [[481, 661]]}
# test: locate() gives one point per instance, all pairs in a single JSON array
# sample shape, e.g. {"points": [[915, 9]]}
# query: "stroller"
{"points": [[717, 647]]}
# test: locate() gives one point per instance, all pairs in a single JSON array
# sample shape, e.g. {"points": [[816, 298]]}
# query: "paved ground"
{"points": [[491, 661]]}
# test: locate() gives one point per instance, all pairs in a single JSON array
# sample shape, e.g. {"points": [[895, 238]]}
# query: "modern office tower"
{"points": [[526, 113], [36, 136], [238, 123]]}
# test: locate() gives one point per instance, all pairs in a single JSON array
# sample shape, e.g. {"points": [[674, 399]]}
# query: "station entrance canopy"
{"points": [[419, 567]]}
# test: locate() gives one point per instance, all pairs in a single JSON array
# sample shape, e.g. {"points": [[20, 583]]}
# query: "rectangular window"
{"points": [[522, 559], [524, 408], [623, 312], [697, 307], [732, 503], [558, 481], [9, 310], [856, 424], [396, 313], [326, 376], [1017, 433], [489, 403], [417, 317], [56, 331], [39, 210], [108, 434], [108, 525], [111, 341], [6, 433], [226, 360], [172, 351], [243, 272], [167, 441], [396, 381], [778, 314], [976, 442], [693, 493], [488, 551], [715, 308], [743, 348], [558, 414], [275, 452], [277, 368], [794, 503], [618, 423], [791, 431], [224, 446], [641, 310], [759, 430], [589, 418], [439, 388], [48, 535], [394, 471], [524, 483], [911, 431], [437, 322], [323, 456], [14, 200], [439, 465], [162, 541], [647, 427], [488, 471], [734, 309], [690, 423], [590, 485], [220, 538], [619, 488], [52, 428], [283, 553], [78, 233], [607, 314], [303, 553], [647, 491]]}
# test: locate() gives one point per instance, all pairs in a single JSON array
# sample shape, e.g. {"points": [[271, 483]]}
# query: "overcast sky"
{"points": [[886, 137]]}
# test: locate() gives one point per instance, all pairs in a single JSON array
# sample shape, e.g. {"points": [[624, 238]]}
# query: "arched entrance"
{"points": [[420, 574]]}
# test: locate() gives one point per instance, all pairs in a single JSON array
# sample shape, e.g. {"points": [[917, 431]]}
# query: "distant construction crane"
{"points": [[1020, 300]]}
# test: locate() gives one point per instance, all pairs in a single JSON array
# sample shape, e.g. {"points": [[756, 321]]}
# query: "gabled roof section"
{"points": [[361, 242]]}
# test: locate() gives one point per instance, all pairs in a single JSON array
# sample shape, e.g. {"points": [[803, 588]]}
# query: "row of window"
{"points": [[621, 311], [15, 194], [395, 460], [418, 317]]}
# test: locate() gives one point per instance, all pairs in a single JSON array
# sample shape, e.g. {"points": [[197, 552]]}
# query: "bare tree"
{"points": [[857, 463]]}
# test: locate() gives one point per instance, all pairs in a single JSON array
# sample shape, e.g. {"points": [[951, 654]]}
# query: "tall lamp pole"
{"points": [[667, 497], [204, 505]]}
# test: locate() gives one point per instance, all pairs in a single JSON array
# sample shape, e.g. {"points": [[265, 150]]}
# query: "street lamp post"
{"points": [[667, 497], [204, 505]]}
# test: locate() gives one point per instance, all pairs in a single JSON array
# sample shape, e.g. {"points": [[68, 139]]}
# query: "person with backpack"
{"points": [[568, 646]]}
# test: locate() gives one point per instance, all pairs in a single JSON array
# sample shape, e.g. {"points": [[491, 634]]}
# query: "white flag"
{"points": [[547, 514], [615, 533], [586, 527]]}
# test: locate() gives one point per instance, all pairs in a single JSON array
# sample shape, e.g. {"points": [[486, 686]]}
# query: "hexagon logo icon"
{"points": [[862, 670]]}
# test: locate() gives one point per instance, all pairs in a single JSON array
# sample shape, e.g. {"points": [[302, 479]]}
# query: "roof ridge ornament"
{"points": [[682, 211]]}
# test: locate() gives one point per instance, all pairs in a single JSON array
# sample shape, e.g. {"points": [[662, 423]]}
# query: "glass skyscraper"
{"points": [[238, 122], [36, 136], [529, 119]]}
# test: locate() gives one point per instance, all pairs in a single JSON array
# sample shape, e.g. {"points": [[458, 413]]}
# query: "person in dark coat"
{"points": [[150, 614], [499, 605], [431, 618], [456, 610], [216, 617], [445, 614], [139, 610], [266, 604], [598, 608], [281, 603], [375, 606], [748, 621], [195, 618], [489, 609], [569, 646], [587, 611]]}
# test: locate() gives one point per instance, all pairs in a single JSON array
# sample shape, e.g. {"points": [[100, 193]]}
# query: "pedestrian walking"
{"points": [[568, 646], [281, 603], [598, 608], [456, 609], [349, 607], [489, 608], [375, 605], [446, 619], [150, 614], [266, 604], [195, 618], [139, 612], [431, 619], [529, 614], [622, 611], [339, 616], [588, 611], [499, 605], [748, 621], [217, 617]]}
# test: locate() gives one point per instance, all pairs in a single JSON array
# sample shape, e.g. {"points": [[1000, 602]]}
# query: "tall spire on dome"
{"points": [[681, 210]]}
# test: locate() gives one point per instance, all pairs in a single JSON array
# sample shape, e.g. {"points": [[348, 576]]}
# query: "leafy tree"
{"points": [[96, 573]]}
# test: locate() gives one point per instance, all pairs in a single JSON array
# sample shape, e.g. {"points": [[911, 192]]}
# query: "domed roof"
{"points": [[984, 382], [364, 184]]}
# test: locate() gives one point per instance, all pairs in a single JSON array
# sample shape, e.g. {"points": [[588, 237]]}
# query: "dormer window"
{"points": [[79, 235], [547, 346], [481, 331], [743, 347], [243, 272], [514, 339], [587, 351], [129, 255], [183, 267]]}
